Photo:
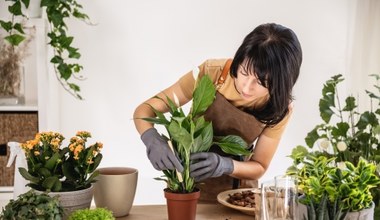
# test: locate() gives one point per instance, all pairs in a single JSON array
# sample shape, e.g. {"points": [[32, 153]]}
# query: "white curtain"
{"points": [[364, 48]]}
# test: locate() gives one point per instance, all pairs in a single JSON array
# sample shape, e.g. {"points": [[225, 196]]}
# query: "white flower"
{"points": [[374, 146], [176, 101], [341, 165], [324, 144], [341, 145], [195, 73]]}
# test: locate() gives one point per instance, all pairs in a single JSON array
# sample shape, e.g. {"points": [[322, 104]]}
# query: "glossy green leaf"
{"points": [[24, 173], [14, 39], [53, 161], [233, 145], [203, 96]]}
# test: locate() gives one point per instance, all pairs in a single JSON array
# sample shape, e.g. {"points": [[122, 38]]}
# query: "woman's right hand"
{"points": [[158, 151]]}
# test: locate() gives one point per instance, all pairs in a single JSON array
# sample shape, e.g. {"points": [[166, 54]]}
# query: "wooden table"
{"points": [[204, 211]]}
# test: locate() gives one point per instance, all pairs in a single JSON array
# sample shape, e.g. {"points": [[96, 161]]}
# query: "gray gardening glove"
{"points": [[158, 151], [208, 165]]}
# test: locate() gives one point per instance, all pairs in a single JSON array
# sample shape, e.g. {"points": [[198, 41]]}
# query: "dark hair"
{"points": [[274, 54]]}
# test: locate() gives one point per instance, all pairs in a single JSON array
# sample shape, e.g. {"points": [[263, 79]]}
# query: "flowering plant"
{"points": [[339, 168], [52, 168], [351, 134]]}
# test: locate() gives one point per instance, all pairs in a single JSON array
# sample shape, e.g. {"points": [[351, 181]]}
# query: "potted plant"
{"points": [[96, 213], [332, 190], [68, 171], [188, 134], [345, 139], [57, 12], [31, 205]]}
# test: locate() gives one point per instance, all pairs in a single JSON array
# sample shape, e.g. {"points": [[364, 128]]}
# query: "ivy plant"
{"points": [[191, 133], [65, 54], [58, 12], [14, 28], [32, 205]]}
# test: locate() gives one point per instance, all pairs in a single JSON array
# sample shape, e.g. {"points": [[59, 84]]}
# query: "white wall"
{"points": [[137, 48]]}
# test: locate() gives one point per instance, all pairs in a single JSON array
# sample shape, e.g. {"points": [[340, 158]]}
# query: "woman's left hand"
{"points": [[208, 164]]}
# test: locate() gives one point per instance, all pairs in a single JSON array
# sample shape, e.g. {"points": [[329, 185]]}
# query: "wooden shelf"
{"points": [[19, 108], [29, 106]]}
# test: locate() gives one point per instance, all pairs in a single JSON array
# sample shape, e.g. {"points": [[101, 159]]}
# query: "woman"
{"points": [[253, 101]]}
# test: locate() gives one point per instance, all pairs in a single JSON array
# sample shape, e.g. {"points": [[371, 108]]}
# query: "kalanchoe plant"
{"points": [[56, 169], [191, 133]]}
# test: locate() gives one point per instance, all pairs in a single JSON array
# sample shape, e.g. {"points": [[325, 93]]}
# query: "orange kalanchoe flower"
{"points": [[64, 168]]}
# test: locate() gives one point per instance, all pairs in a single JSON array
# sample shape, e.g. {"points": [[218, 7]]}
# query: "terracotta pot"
{"points": [[181, 206]]}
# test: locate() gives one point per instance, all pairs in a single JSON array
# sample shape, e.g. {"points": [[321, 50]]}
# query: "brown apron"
{"points": [[228, 120]]}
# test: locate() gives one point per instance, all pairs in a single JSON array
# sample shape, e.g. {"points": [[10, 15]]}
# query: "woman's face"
{"points": [[247, 84]]}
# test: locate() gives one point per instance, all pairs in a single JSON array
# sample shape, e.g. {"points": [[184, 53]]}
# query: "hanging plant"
{"points": [[65, 54]]}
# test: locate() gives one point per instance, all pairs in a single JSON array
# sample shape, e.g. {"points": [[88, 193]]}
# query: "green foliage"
{"points": [[358, 131], [14, 29], [331, 188], [57, 12], [56, 169], [191, 133], [92, 214], [338, 170], [31, 205]]}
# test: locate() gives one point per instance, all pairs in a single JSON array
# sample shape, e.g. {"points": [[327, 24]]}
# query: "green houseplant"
{"points": [[57, 12], [344, 139], [31, 205], [187, 134], [93, 214], [331, 190], [191, 133]]}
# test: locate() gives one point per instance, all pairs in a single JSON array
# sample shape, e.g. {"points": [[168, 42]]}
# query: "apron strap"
{"points": [[220, 83], [223, 76]]}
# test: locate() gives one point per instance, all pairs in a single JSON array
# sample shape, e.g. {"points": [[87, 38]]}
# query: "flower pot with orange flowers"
{"points": [[64, 171]]}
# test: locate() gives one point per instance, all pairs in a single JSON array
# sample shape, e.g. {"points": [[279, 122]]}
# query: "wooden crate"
{"points": [[19, 127]]}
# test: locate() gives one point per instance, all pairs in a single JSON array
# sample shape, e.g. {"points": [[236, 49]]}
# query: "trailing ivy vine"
{"points": [[57, 12], [65, 54]]}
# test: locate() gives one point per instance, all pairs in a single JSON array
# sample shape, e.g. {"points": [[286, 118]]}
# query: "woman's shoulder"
{"points": [[216, 62], [212, 67]]}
